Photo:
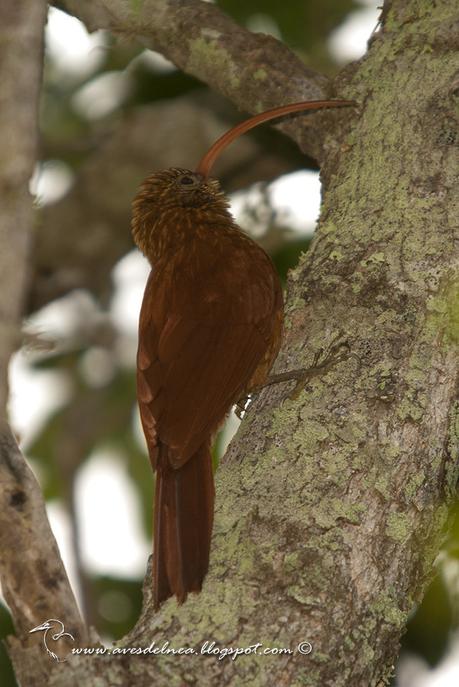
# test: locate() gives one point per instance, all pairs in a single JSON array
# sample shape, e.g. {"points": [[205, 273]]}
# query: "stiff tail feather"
{"points": [[183, 518]]}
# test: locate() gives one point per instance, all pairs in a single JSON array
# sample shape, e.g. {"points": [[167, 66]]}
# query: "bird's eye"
{"points": [[188, 181]]}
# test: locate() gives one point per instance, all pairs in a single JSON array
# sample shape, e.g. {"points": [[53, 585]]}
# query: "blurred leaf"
{"points": [[141, 473], [117, 605], [62, 360], [217, 450], [118, 53], [288, 255], [93, 418], [303, 24], [428, 630], [150, 85]]}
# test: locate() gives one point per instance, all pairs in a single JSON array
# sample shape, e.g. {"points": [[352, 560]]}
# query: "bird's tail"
{"points": [[184, 505]]}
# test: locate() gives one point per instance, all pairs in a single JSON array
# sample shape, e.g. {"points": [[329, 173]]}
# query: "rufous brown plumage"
{"points": [[210, 329]]}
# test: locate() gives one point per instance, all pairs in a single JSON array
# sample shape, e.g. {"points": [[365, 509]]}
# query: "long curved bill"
{"points": [[207, 161]]}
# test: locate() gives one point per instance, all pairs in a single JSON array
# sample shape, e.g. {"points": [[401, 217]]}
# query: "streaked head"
{"points": [[169, 198], [176, 187]]}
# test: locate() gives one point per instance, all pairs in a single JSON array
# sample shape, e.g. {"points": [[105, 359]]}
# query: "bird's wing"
{"points": [[199, 346]]}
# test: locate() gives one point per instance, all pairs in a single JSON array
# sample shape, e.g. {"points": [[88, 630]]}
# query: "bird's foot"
{"points": [[323, 361], [241, 406]]}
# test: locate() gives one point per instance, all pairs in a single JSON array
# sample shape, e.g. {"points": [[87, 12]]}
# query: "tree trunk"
{"points": [[333, 497]]}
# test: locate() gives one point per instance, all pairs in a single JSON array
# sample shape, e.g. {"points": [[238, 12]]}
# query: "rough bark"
{"points": [[332, 499]]}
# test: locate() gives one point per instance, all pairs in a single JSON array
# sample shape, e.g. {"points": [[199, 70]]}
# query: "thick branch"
{"points": [[21, 47], [253, 70], [34, 581]]}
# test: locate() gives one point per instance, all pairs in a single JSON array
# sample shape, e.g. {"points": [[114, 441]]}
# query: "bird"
{"points": [[210, 328], [45, 627]]}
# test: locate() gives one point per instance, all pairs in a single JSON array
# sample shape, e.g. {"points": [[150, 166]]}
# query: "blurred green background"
{"points": [[90, 356]]}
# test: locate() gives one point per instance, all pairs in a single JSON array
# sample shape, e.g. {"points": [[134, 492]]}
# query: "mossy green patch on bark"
{"points": [[260, 74], [296, 303], [336, 255], [375, 258], [413, 485], [398, 527], [443, 311], [336, 510], [385, 608], [382, 484], [207, 56]]}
